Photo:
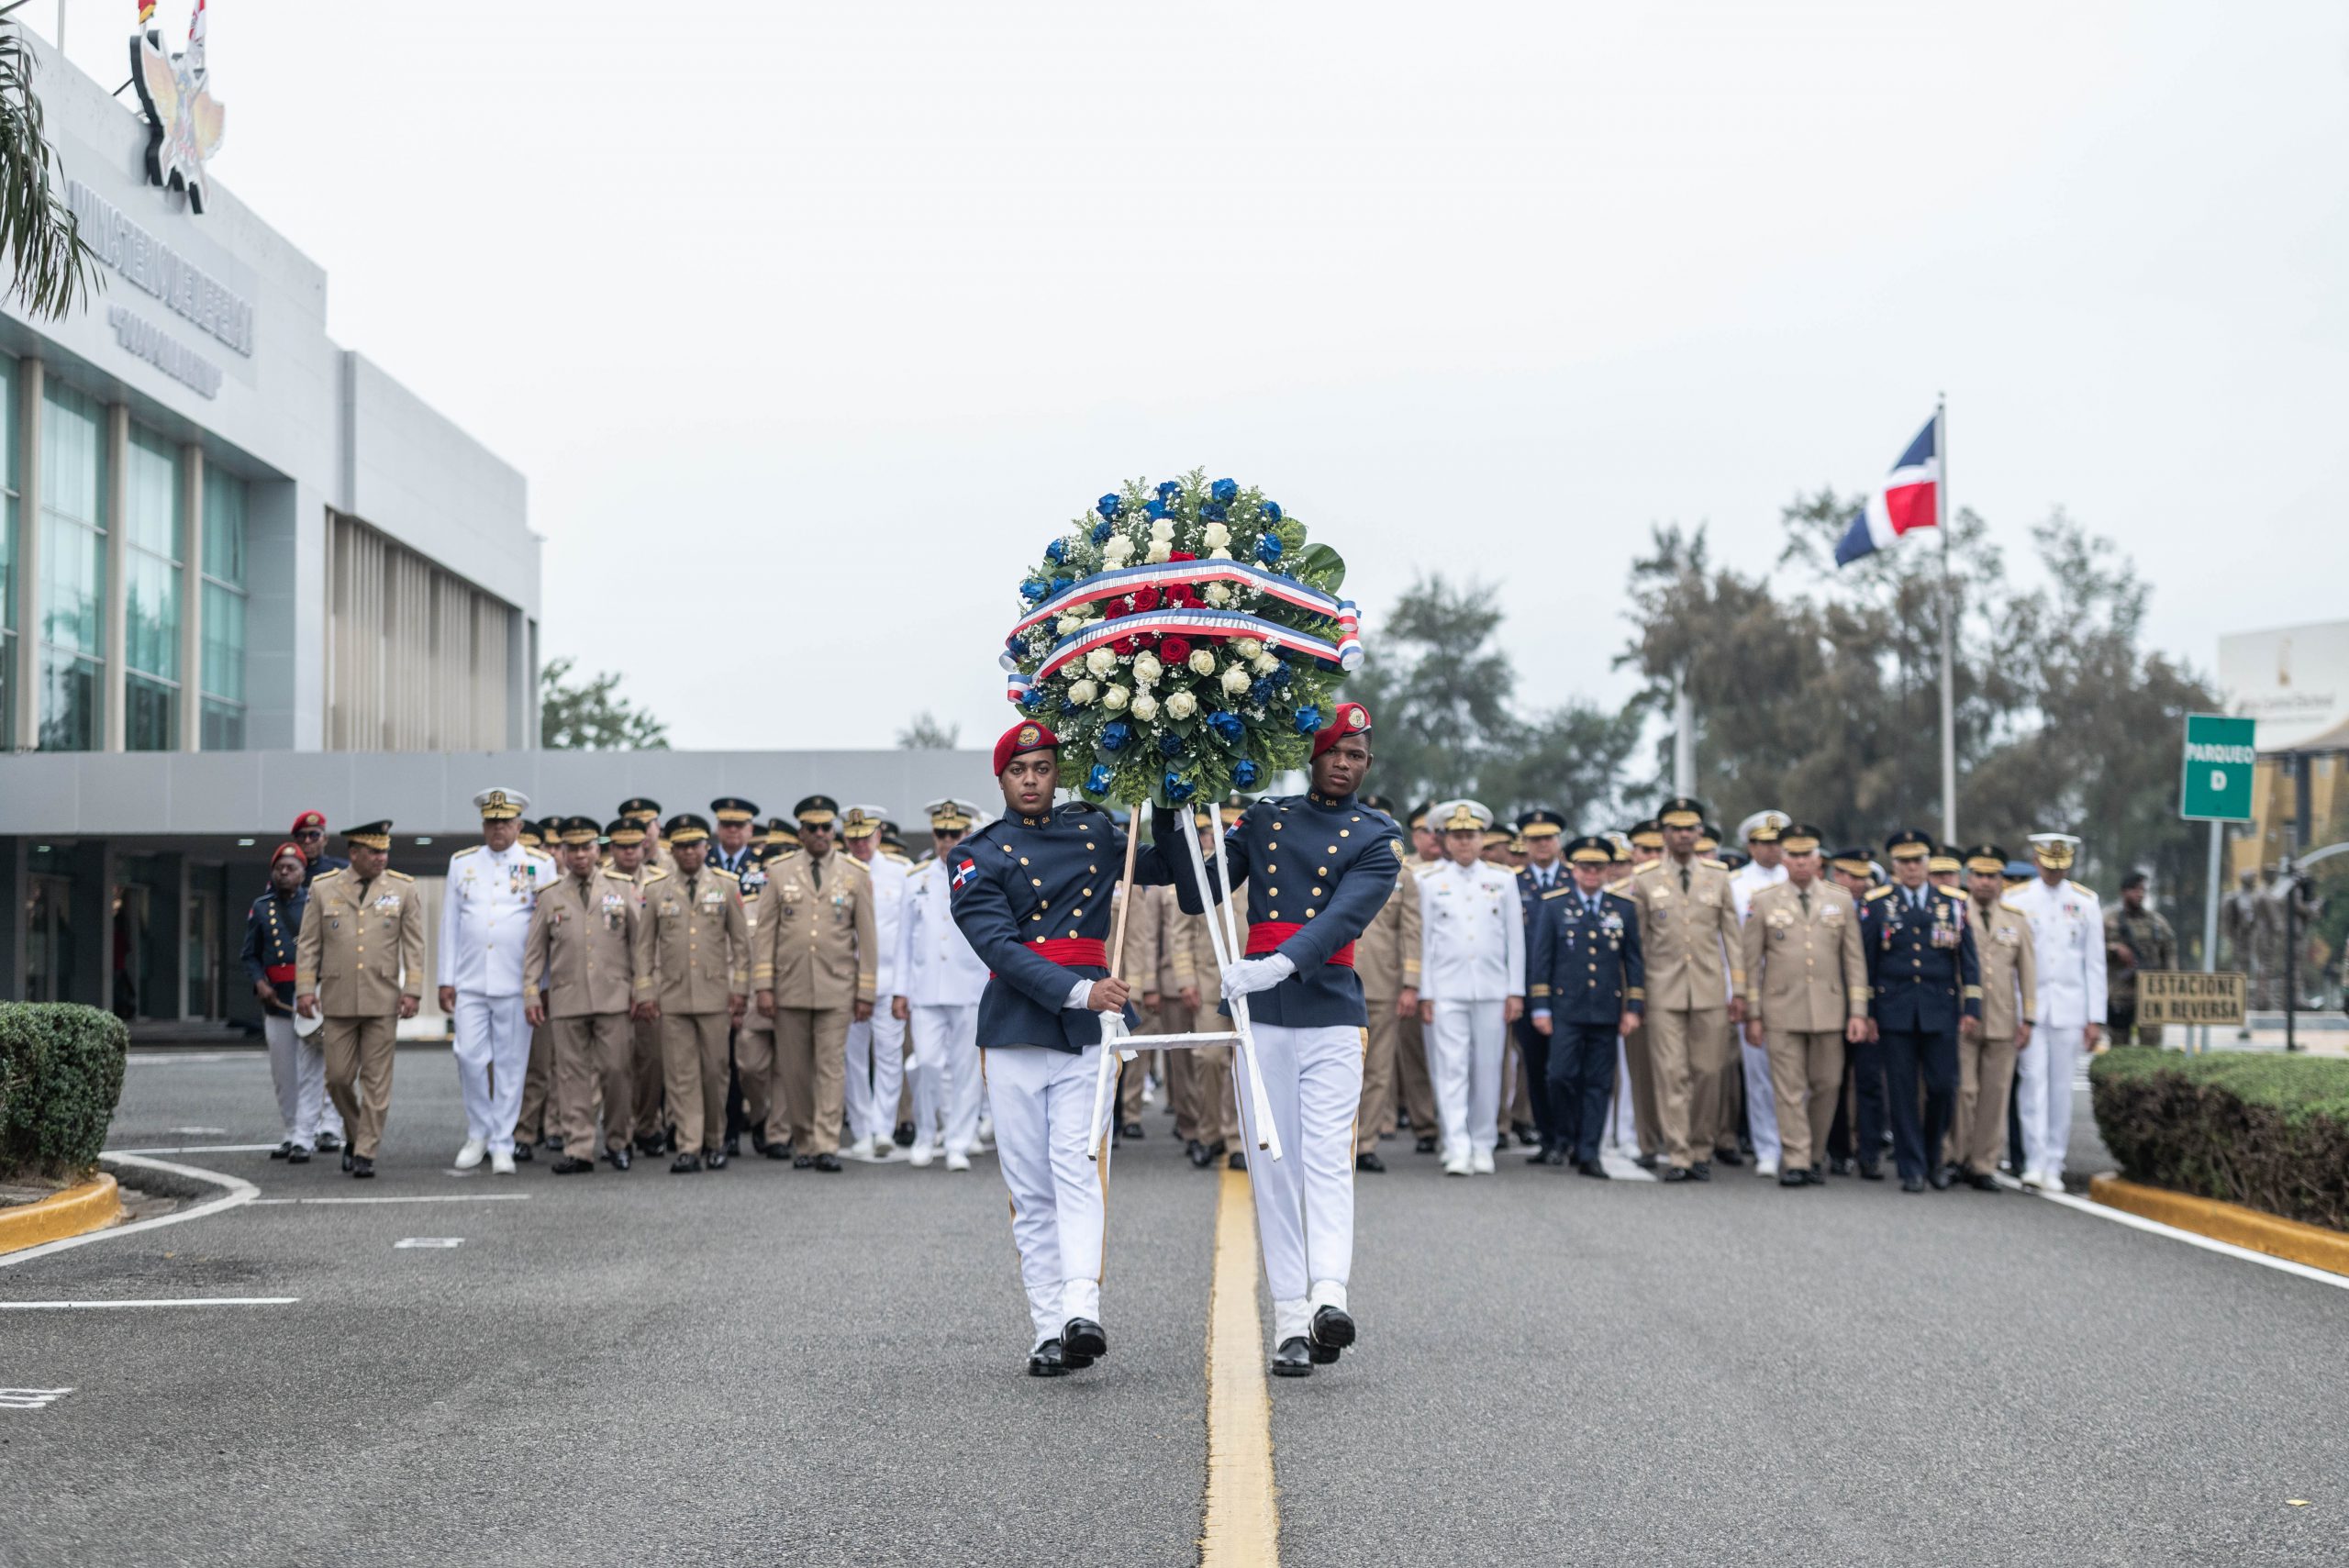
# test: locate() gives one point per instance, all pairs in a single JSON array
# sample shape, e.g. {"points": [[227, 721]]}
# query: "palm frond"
{"points": [[48, 265]]}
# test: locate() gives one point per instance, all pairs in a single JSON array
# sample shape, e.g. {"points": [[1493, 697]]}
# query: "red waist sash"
{"points": [[1266, 935], [1070, 952], [280, 973]]}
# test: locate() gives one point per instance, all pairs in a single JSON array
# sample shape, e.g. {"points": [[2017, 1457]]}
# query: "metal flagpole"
{"points": [[1949, 629]]}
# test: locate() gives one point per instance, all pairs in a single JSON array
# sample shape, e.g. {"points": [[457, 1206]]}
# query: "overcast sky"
{"points": [[811, 324]]}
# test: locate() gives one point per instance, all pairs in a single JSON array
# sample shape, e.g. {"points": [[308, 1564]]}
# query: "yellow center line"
{"points": [[1243, 1524]]}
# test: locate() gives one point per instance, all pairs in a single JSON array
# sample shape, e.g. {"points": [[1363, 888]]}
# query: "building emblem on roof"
{"points": [[185, 121]]}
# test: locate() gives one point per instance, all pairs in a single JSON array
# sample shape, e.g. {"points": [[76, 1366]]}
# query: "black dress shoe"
{"points": [[1984, 1182], [1294, 1359], [1840, 1166], [801, 1161], [283, 1149], [1594, 1169], [1558, 1156], [297, 1155], [329, 1143], [1129, 1129], [1645, 1161], [363, 1167], [759, 1144], [1238, 1161], [522, 1152], [827, 1162], [1702, 1171], [1912, 1184], [346, 1162], [1728, 1157], [1047, 1361], [715, 1159], [1424, 1145], [1196, 1153], [1793, 1176], [684, 1163], [1539, 1157], [778, 1152], [1870, 1171], [1332, 1330], [1940, 1180], [553, 1141], [733, 1144], [618, 1158], [1527, 1136], [902, 1135], [1678, 1173], [572, 1165], [1084, 1337], [1816, 1176], [1368, 1160], [648, 1144]]}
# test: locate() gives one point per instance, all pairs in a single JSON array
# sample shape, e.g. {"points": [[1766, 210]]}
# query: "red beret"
{"points": [[1025, 736], [285, 848], [1352, 718], [309, 819]]}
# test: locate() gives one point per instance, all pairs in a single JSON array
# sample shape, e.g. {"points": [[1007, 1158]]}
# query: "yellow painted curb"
{"points": [[1242, 1517], [77, 1211], [2229, 1223]]}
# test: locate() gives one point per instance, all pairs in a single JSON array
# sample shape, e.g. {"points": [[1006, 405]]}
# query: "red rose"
{"points": [[1174, 651], [1181, 555], [1146, 639], [1115, 608], [1183, 594], [1145, 598], [1122, 647]]}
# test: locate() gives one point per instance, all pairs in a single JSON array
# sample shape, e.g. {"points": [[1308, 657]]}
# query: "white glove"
{"points": [[1253, 975]]}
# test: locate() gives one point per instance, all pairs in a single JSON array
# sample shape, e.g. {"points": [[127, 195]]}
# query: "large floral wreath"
{"points": [[1183, 640]]}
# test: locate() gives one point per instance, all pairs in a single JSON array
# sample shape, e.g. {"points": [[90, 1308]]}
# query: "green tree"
{"points": [[590, 715], [51, 270], [925, 733]]}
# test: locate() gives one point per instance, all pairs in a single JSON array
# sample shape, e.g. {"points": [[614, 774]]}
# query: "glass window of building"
{"points": [[152, 532], [224, 611], [72, 568], [10, 553]]}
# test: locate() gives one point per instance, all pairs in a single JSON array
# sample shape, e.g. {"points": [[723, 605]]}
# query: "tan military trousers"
{"points": [[1985, 1075], [1417, 1089], [1377, 1073], [1806, 1074], [810, 1092], [1646, 1121], [359, 1075], [1729, 1090], [693, 1075], [538, 1078], [754, 1067], [645, 1038], [1687, 1044], [592, 1053]]}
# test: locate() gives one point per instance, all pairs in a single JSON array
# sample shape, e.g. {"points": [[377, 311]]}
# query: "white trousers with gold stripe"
{"points": [[1042, 1102], [1305, 1200]]}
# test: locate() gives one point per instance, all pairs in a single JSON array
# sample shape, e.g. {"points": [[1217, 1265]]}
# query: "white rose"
{"points": [[1202, 661], [1218, 555], [1235, 680], [1118, 551], [1160, 549], [1082, 693], [1264, 664], [1069, 623], [1218, 535], [1147, 669], [1218, 595], [1182, 705], [1145, 707], [1101, 661], [1161, 528], [1247, 647], [1115, 698]]}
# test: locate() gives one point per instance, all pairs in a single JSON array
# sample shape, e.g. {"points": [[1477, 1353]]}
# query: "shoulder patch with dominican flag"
{"points": [[967, 870]]}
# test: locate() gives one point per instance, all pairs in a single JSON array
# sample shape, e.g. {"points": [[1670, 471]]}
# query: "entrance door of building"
{"points": [[132, 906], [203, 961], [48, 939]]}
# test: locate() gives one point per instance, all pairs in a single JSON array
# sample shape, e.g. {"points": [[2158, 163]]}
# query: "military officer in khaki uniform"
{"points": [[1986, 1060], [701, 953], [1689, 939], [1145, 932], [587, 970], [1386, 961], [1414, 1085], [358, 964], [817, 971], [538, 1073], [645, 813], [624, 842], [1807, 980]]}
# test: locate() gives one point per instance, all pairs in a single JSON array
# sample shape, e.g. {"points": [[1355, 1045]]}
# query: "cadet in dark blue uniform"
{"points": [[1926, 983], [1318, 868], [1584, 983], [297, 1068], [1031, 893]]}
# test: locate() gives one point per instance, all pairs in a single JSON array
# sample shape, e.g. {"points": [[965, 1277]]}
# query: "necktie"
{"points": [[816, 872], [1803, 894], [1684, 879]]}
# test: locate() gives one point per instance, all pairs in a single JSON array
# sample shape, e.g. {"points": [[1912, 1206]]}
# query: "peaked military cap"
{"points": [[1590, 850], [1798, 837], [1419, 814], [733, 808], [1460, 817], [500, 804], [685, 828], [2055, 850], [1763, 827], [644, 809], [1378, 803], [1541, 823], [371, 835], [578, 829], [862, 822], [1943, 859], [1986, 860], [1681, 811], [1855, 861], [1909, 844], [1647, 835], [816, 811], [624, 831]]}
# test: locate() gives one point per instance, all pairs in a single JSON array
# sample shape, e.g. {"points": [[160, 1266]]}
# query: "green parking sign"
{"points": [[2216, 785]]}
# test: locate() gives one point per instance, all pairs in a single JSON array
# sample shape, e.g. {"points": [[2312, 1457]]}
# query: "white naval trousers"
{"points": [[1761, 1104], [1304, 1200], [1623, 1118], [297, 1069], [493, 1058], [876, 1073], [946, 1083], [1464, 1048], [2043, 1096], [1042, 1101]]}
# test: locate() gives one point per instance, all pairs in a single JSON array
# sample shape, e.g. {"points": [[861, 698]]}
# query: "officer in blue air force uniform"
{"points": [[1926, 984], [1318, 868], [1585, 985], [1031, 893]]}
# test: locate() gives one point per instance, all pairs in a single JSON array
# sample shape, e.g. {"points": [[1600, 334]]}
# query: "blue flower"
{"points": [[1055, 550], [1308, 720], [1262, 691], [1061, 582], [1243, 774], [1156, 509], [1166, 488], [1097, 781], [1035, 590], [1225, 490], [1109, 506], [1280, 677], [1101, 532], [1068, 704], [1226, 724], [1174, 789], [1268, 548], [1037, 698], [1114, 734], [1214, 511], [1272, 511], [1170, 744]]}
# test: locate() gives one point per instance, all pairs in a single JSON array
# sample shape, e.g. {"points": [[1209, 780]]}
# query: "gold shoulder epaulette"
{"points": [[397, 875], [461, 854], [329, 872], [655, 874], [1557, 893], [2084, 892], [1884, 892], [1653, 868], [724, 873], [1616, 887], [1717, 865]]}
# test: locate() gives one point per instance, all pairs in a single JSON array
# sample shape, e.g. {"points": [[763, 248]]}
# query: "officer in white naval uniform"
{"points": [[1471, 982], [876, 1047], [2067, 939], [940, 981], [484, 916], [1766, 869]]}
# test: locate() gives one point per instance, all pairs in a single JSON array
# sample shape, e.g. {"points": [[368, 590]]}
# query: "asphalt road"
{"points": [[766, 1366]]}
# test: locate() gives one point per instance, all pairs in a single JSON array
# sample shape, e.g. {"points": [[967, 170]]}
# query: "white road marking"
{"points": [[428, 1241], [158, 1301], [2155, 1227], [200, 1131], [197, 1148], [192, 1056], [437, 1197], [30, 1398], [240, 1192]]}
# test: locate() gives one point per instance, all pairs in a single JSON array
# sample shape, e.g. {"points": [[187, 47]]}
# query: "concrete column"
{"points": [[117, 633], [29, 383], [91, 909], [13, 888], [191, 597], [166, 994]]}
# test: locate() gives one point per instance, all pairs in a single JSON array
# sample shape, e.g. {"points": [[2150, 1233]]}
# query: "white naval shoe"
{"points": [[2034, 1181], [470, 1155], [1765, 1167], [1480, 1162], [502, 1162], [957, 1161], [919, 1156], [1456, 1164]]}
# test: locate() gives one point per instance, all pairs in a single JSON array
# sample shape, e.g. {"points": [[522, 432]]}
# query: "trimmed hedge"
{"points": [[2267, 1131], [61, 1073]]}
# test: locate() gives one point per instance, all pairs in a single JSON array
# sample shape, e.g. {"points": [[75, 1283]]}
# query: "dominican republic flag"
{"points": [[1907, 499]]}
